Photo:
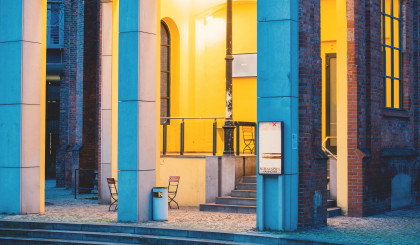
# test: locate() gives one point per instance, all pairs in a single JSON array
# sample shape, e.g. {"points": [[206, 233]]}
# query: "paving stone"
{"points": [[396, 227]]}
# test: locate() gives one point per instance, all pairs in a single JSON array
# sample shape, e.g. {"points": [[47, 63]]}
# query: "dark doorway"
{"points": [[331, 102], [52, 128]]}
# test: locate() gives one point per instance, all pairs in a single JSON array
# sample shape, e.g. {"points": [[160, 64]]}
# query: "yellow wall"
{"points": [[328, 46], [114, 91], [342, 166], [328, 20], [334, 40], [198, 30], [192, 186]]}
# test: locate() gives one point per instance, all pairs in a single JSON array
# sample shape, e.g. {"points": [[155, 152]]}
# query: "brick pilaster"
{"points": [[312, 160]]}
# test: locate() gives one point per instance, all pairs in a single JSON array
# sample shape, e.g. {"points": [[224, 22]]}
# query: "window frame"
{"points": [[392, 47], [55, 9], [168, 72], [328, 57]]}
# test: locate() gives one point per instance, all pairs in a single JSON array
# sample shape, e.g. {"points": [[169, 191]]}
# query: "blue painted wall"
{"points": [[10, 103], [278, 100], [128, 111]]}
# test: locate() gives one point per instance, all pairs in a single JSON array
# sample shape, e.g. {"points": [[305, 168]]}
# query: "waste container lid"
{"points": [[160, 187]]}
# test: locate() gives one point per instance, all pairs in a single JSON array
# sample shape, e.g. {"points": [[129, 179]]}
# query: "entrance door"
{"points": [[331, 122], [331, 102], [52, 129]]}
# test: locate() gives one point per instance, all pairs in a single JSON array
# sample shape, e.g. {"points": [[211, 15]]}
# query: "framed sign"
{"points": [[270, 147], [244, 65]]}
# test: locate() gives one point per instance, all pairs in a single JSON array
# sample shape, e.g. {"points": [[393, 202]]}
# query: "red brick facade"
{"points": [[312, 195], [79, 92], [382, 143], [357, 100]]}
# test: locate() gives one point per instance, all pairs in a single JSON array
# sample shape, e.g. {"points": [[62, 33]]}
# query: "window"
{"points": [[391, 44], [165, 71], [54, 9]]}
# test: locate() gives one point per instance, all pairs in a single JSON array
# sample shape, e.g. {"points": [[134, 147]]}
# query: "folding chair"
{"points": [[114, 193], [173, 189], [249, 139]]}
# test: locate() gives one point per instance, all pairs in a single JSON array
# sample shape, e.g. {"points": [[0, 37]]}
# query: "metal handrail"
{"points": [[192, 118], [182, 132], [325, 148]]}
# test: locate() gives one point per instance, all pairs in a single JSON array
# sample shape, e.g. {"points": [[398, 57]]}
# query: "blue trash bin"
{"points": [[160, 203]]}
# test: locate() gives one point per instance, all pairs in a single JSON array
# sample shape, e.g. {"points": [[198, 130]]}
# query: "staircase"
{"points": [[23, 232], [15, 232], [332, 209], [242, 200]]}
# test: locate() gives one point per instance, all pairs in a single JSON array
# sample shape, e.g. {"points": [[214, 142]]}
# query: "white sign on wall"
{"points": [[244, 65], [270, 147]]}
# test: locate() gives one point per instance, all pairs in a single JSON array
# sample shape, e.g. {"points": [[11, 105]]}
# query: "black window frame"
{"points": [[168, 73], [392, 48]]}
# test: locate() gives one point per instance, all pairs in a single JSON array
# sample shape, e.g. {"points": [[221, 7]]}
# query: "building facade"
{"points": [[342, 76]]}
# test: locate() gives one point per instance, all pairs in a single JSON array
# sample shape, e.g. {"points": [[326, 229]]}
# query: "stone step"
{"points": [[333, 212], [164, 235], [236, 201], [244, 193], [29, 241], [246, 186], [224, 208], [249, 179], [331, 203], [108, 238]]}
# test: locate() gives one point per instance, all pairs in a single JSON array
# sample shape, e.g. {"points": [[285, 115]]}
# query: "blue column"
{"points": [[20, 105], [278, 100], [137, 114]]}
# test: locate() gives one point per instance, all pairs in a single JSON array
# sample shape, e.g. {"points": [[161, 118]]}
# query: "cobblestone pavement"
{"points": [[396, 227]]}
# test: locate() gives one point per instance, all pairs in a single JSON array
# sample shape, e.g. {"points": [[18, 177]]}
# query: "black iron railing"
{"points": [[89, 178], [165, 122], [182, 131]]}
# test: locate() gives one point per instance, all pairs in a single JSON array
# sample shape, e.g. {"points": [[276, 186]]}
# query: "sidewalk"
{"points": [[396, 227]]}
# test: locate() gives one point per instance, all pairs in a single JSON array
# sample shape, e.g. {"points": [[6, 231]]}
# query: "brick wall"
{"points": [[67, 93], [382, 143], [99, 100], [79, 91], [416, 56], [357, 102], [312, 195], [91, 89]]}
